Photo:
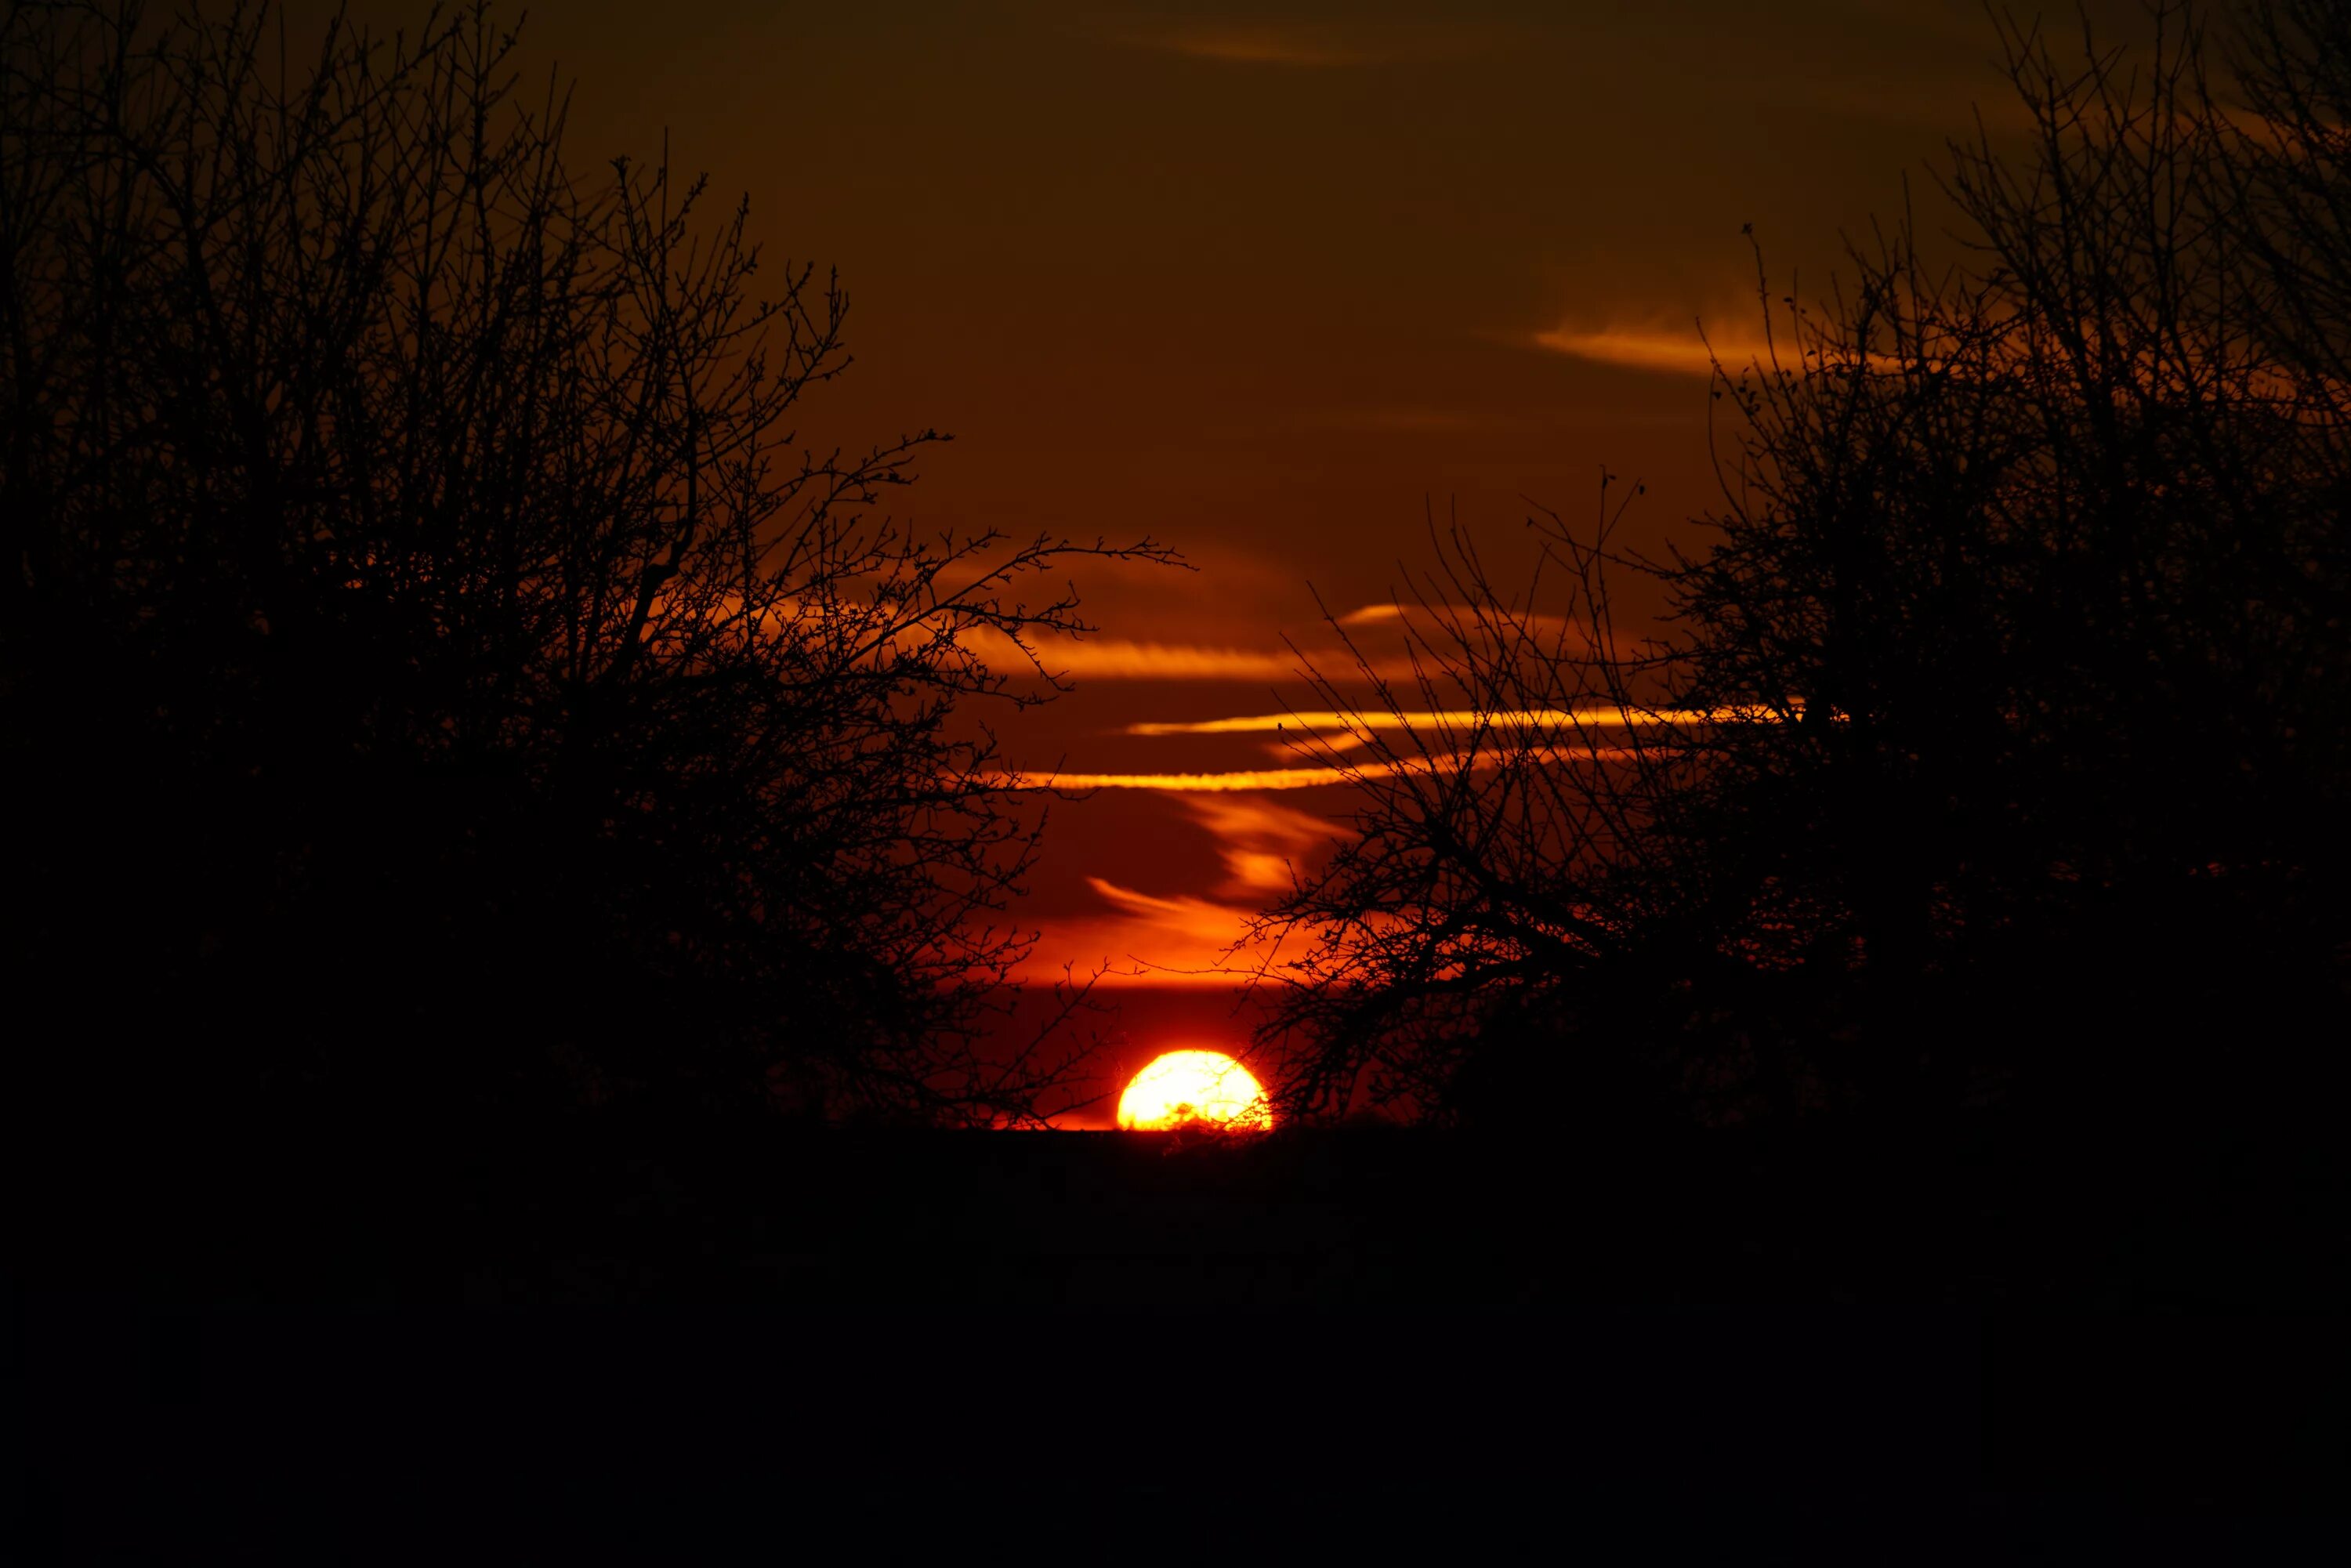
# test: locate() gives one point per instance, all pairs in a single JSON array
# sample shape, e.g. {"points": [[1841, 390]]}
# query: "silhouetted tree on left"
{"points": [[434, 676]]}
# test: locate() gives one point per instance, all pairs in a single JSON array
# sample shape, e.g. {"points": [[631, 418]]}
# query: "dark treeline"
{"points": [[437, 678], [1995, 751]]}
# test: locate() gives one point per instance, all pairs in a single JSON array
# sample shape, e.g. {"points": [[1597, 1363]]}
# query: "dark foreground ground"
{"points": [[1977, 1343]]}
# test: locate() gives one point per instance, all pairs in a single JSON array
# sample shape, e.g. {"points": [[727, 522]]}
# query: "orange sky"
{"points": [[1269, 283]]}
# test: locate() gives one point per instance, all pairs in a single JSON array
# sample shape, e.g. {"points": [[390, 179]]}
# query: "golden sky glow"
{"points": [[1394, 264]]}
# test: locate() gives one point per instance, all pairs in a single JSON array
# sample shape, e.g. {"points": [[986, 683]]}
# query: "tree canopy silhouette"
{"points": [[1997, 740], [436, 672]]}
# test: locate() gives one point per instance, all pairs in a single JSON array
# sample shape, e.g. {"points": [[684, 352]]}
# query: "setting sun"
{"points": [[1186, 1087]]}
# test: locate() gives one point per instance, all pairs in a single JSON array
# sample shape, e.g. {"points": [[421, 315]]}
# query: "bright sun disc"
{"points": [[1192, 1088]]}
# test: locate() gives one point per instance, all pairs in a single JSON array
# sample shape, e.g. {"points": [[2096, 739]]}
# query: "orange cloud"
{"points": [[1121, 659], [1302, 777], [1191, 941], [1201, 917], [1261, 841], [1349, 727], [1115, 658], [1385, 613], [1181, 783], [1689, 351], [1677, 351]]}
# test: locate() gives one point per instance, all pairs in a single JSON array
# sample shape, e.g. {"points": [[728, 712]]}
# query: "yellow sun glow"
{"points": [[1192, 1088]]}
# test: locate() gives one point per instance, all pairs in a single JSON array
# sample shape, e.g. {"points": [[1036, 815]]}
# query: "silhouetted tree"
{"points": [[434, 676], [1998, 738], [1508, 796]]}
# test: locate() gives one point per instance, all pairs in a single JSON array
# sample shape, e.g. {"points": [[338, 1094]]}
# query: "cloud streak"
{"points": [[1671, 351], [1389, 613], [1262, 842], [1440, 719], [1189, 783], [1305, 777], [1121, 659], [1192, 941], [1686, 351]]}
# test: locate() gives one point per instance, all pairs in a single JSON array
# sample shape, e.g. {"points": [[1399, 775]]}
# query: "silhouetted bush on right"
{"points": [[1997, 747]]}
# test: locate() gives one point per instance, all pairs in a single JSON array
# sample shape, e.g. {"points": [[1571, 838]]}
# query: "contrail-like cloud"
{"points": [[1305, 777], [1685, 351], [1387, 610], [1185, 783], [1432, 719], [1119, 659], [1677, 352]]}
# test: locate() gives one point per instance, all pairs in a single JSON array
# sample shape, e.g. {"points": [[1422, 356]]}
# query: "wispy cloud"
{"points": [[1674, 352], [1262, 842], [1119, 658], [1141, 938], [1462, 738], [1437, 720], [1202, 916], [1307, 778], [1189, 783], [1122, 659], [1439, 623], [1692, 352]]}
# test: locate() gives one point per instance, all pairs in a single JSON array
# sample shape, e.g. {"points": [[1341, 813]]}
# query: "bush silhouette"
{"points": [[438, 678], [1996, 743]]}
